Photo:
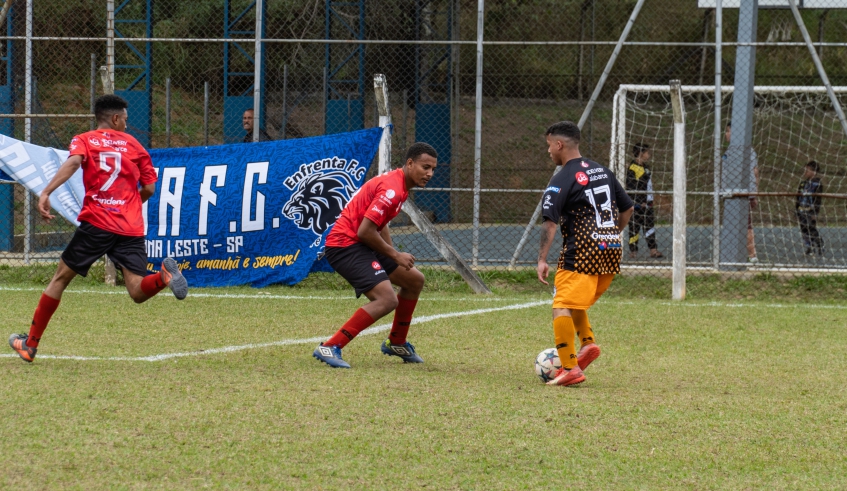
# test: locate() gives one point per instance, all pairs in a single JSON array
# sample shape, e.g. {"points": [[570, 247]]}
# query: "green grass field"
{"points": [[695, 395]]}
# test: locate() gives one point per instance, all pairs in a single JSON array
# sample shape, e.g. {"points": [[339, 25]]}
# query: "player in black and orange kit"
{"points": [[359, 248], [588, 203], [114, 166]]}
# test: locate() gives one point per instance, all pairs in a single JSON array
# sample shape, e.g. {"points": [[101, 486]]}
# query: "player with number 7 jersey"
{"points": [[114, 167]]}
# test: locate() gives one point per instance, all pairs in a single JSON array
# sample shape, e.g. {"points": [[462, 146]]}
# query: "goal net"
{"points": [[791, 127]]}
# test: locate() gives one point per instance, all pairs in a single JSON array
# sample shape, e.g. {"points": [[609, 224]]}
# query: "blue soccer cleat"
{"points": [[405, 351], [331, 355]]}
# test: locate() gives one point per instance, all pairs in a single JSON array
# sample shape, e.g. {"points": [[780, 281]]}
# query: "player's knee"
{"points": [[390, 303], [417, 281]]}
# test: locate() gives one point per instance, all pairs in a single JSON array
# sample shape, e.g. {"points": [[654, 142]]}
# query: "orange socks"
{"points": [[583, 327], [563, 329]]}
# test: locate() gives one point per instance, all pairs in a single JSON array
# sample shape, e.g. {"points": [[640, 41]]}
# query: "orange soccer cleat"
{"points": [[18, 343], [587, 354], [568, 377]]}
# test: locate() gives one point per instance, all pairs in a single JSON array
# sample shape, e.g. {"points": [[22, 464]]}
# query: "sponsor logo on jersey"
{"points": [[378, 210], [376, 265], [596, 236], [390, 194], [108, 201], [608, 245], [585, 164], [114, 143], [581, 178], [94, 141], [547, 202], [552, 188]]}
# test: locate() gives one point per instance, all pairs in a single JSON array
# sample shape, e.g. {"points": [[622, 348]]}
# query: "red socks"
{"points": [[152, 284], [402, 319], [43, 313], [360, 321]]}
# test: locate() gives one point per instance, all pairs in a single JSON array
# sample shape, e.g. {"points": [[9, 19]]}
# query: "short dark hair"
{"points": [[729, 125], [419, 148], [639, 148], [107, 105], [813, 165], [567, 129]]}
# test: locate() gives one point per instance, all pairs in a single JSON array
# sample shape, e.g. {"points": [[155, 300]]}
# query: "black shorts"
{"points": [[360, 265], [90, 243]]}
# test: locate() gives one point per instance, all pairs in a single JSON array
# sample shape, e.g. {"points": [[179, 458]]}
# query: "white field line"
{"points": [[263, 295], [284, 342], [737, 305]]}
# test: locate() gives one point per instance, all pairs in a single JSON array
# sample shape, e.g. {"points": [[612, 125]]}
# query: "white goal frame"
{"points": [[618, 155]]}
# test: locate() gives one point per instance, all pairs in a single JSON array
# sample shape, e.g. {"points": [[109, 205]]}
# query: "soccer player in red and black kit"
{"points": [[359, 248], [591, 207], [114, 165]]}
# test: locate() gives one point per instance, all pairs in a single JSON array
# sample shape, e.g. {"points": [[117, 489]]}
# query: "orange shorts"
{"points": [[579, 291]]}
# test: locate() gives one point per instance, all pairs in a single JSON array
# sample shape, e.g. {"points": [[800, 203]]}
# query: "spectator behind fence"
{"points": [[753, 187], [807, 206], [247, 123], [639, 178]]}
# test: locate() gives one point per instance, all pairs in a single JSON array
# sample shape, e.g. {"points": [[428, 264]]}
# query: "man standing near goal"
{"points": [[114, 165], [359, 248], [588, 203], [639, 178], [807, 206]]}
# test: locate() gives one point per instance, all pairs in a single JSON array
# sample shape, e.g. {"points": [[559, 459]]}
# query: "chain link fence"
{"points": [[188, 70]]}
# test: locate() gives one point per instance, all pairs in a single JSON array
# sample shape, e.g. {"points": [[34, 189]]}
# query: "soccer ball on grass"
{"points": [[547, 364]]}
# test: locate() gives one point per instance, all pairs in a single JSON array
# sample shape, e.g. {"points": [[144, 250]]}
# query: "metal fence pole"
{"points": [[405, 118], [716, 199], [324, 96], [28, 130], [110, 42], [477, 151], [168, 112], [284, 100], [92, 123], [258, 117], [206, 113], [735, 172], [110, 273]]}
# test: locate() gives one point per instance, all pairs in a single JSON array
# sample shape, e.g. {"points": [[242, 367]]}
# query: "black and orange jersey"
{"points": [[585, 199]]}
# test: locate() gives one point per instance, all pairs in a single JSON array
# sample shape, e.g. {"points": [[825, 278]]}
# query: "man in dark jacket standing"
{"points": [[807, 206]]}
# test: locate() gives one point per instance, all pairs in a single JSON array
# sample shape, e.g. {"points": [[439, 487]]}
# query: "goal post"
{"points": [[792, 126], [679, 223]]}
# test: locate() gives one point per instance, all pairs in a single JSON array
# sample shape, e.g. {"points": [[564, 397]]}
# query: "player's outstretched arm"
{"points": [[372, 237], [548, 232], [68, 168]]}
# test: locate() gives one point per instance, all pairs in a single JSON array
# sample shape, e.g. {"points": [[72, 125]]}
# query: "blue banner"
{"points": [[253, 213]]}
